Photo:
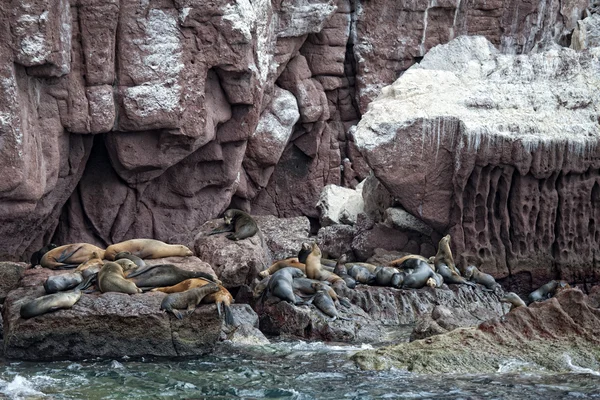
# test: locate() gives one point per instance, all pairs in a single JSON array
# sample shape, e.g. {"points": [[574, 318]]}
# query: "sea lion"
{"points": [[323, 301], [222, 298], [187, 300], [314, 270], [91, 266], [126, 264], [513, 299], [451, 276], [36, 257], [472, 273], [147, 248], [281, 284], [308, 287], [276, 266], [50, 302], [397, 263], [241, 223], [261, 287], [361, 274], [444, 255], [70, 255], [165, 275], [370, 267], [58, 283], [305, 250], [545, 291], [340, 270], [419, 277], [383, 275], [398, 279], [125, 254], [112, 279]]}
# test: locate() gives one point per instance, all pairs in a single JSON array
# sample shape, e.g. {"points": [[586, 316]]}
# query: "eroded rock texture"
{"points": [[197, 105], [499, 150]]}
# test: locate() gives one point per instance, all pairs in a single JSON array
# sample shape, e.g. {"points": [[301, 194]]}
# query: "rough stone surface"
{"points": [[443, 320], [587, 33], [335, 240], [400, 219], [551, 336], [499, 151], [284, 236], [10, 274], [340, 205]]}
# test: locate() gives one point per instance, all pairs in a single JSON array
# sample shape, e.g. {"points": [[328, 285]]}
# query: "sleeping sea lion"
{"points": [[323, 301], [397, 263], [340, 270], [475, 275], [126, 264], [361, 274], [70, 255], [398, 279], [125, 254], [147, 248], [281, 284], [187, 300], [383, 275], [419, 277], [513, 299], [112, 279], [452, 277], [91, 266], [222, 298], [165, 275], [277, 265], [241, 223], [50, 302], [444, 255], [36, 257], [545, 291], [58, 283]]}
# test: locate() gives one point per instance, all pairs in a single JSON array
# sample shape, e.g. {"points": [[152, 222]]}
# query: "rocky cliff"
{"points": [[125, 118]]}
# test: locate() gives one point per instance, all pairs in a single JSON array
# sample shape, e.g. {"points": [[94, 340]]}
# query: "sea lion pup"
{"points": [[514, 300], [91, 266], [187, 300], [308, 287], [50, 302], [340, 270], [127, 265], [361, 274], [125, 254], [545, 291], [277, 265], [222, 298], [419, 277], [323, 301], [241, 223], [36, 257], [112, 279], [475, 275], [58, 283], [444, 255], [451, 276], [70, 255], [165, 275], [147, 248], [314, 270], [383, 275], [281, 284]]}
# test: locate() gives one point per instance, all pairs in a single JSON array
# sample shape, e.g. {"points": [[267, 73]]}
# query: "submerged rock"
{"points": [[554, 334]]}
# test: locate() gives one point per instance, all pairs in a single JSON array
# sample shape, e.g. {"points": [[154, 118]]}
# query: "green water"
{"points": [[284, 370]]}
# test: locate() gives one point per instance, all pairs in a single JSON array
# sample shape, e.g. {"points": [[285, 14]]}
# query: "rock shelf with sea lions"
{"points": [[281, 284], [165, 275], [70, 255], [187, 300], [238, 221], [444, 255], [147, 248]]}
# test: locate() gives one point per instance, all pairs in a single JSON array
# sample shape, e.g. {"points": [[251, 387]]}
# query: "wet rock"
{"points": [[244, 315], [10, 274], [284, 236], [554, 335], [235, 262]]}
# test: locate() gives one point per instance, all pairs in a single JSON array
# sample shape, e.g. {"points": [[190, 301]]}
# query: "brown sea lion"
{"points": [[397, 263], [70, 255], [444, 255], [513, 299], [147, 248], [112, 279], [340, 270], [546, 291], [36, 257], [165, 275], [472, 273], [223, 299], [125, 254], [451, 276], [91, 266], [281, 284], [187, 300], [126, 264], [50, 302], [58, 283], [419, 277], [314, 270], [241, 223], [276, 266]]}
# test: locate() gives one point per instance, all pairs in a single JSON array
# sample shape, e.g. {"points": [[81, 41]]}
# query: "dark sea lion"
{"points": [[323, 301], [222, 298], [261, 287], [513, 299], [370, 267], [147, 248], [165, 275], [398, 279], [419, 277], [444, 255], [281, 284], [340, 270], [125, 254], [305, 250], [187, 300], [361, 274], [112, 279], [383, 275], [241, 223], [36, 257], [439, 280], [50, 302], [305, 286], [314, 269], [58, 283], [276, 266], [452, 277], [472, 273], [545, 291], [70, 255]]}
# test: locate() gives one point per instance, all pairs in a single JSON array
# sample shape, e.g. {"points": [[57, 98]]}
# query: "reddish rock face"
{"points": [[196, 105]]}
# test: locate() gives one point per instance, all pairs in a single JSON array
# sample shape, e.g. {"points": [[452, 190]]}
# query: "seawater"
{"points": [[281, 370]]}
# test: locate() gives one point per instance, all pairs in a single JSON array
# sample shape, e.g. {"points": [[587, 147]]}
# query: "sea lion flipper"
{"points": [[344, 301], [177, 313], [223, 229], [67, 266], [87, 282], [64, 256], [139, 271], [229, 320]]}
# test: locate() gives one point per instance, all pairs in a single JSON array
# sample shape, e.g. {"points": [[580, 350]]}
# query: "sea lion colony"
{"points": [[303, 280]]}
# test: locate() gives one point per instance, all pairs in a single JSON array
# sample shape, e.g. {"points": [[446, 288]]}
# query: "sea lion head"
{"points": [[306, 246], [469, 271], [185, 250], [112, 267], [316, 250], [343, 258], [228, 216], [126, 264], [431, 283], [445, 240]]}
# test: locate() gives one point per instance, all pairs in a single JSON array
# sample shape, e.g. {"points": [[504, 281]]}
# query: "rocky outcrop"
{"points": [[10, 274], [554, 335], [340, 205], [498, 150], [283, 236]]}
